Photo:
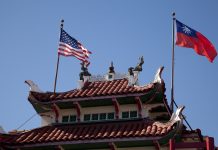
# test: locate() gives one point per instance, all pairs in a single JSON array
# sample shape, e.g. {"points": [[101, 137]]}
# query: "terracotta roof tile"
{"points": [[89, 131], [93, 89]]}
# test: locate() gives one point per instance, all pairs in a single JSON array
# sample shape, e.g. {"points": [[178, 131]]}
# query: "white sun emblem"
{"points": [[186, 30]]}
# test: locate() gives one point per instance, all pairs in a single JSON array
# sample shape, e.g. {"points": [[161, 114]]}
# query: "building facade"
{"points": [[107, 113]]}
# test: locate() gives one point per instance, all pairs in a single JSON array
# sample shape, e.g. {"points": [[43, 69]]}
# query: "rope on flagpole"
{"points": [[27, 121], [183, 117]]}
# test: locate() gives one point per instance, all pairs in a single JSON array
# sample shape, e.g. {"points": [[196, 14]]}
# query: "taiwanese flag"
{"points": [[187, 37]]}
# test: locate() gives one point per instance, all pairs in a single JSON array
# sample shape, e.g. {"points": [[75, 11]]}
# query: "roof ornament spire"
{"points": [[111, 73], [130, 70], [111, 68], [134, 72], [139, 65], [84, 72]]}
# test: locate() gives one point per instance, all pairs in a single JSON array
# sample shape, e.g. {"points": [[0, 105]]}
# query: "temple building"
{"points": [[110, 112]]}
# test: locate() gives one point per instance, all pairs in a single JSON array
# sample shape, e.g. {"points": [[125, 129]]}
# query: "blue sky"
{"points": [[118, 31]]}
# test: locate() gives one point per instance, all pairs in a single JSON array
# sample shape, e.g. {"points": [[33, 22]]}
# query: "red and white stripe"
{"points": [[81, 54]]}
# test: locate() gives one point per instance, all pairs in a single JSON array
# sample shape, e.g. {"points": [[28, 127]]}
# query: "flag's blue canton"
{"points": [[66, 38], [182, 28]]}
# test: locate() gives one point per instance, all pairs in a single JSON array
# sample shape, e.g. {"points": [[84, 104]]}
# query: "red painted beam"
{"points": [[55, 109], [139, 106], [116, 107], [190, 145], [172, 144], [209, 143], [78, 111]]}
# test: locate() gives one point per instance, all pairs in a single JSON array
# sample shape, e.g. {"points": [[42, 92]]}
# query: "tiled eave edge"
{"points": [[33, 99], [160, 139]]}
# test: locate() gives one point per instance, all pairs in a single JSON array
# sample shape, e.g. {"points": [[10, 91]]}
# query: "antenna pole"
{"points": [[57, 66]]}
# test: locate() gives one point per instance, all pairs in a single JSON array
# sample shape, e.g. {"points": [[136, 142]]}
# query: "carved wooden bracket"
{"points": [[59, 147], [112, 146], [156, 144]]}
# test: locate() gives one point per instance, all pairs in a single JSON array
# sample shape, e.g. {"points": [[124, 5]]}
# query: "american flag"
{"points": [[69, 46]]}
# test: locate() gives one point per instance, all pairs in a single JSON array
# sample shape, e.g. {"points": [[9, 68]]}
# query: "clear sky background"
{"points": [[119, 31]]}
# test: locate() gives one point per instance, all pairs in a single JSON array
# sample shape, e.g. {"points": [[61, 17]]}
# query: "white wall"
{"points": [[49, 117]]}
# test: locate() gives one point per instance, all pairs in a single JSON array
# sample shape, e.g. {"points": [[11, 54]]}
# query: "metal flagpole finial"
{"points": [[62, 23], [174, 15]]}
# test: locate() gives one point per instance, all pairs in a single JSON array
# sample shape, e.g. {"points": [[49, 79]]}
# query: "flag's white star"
{"points": [[186, 30]]}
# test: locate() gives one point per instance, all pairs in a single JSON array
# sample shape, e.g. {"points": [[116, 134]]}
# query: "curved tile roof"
{"points": [[90, 131], [95, 89]]}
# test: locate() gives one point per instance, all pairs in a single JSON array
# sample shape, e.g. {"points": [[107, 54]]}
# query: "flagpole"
{"points": [[172, 75], [57, 66]]}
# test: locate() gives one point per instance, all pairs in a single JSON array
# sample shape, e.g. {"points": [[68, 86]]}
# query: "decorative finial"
{"points": [[139, 65], [33, 86], [111, 68], [84, 71], [130, 70], [173, 15], [175, 117], [62, 23], [157, 78]]}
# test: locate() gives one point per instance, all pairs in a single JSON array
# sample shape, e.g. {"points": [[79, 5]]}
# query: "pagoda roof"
{"points": [[119, 130], [118, 87]]}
